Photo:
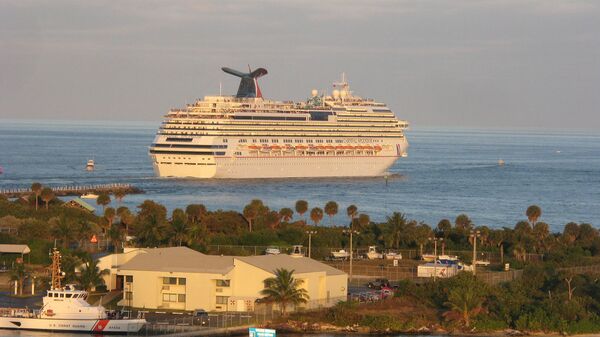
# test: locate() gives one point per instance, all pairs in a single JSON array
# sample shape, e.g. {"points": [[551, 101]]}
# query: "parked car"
{"points": [[379, 283], [200, 316]]}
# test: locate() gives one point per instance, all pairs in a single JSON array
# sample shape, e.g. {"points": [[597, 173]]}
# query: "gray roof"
{"points": [[183, 259], [298, 264], [179, 259]]}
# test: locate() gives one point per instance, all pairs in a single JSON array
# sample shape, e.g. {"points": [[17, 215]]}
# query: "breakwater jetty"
{"points": [[75, 190]]}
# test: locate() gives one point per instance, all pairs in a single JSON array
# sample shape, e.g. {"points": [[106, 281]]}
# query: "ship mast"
{"points": [[57, 275]]}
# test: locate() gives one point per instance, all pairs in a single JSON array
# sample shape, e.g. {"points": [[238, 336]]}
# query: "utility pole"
{"points": [[474, 235], [350, 232], [310, 234], [435, 258]]}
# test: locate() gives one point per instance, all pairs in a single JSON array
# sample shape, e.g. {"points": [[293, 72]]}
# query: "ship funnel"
{"points": [[248, 83]]}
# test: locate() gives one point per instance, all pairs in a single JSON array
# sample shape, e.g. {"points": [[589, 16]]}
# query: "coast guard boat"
{"points": [[66, 309]]}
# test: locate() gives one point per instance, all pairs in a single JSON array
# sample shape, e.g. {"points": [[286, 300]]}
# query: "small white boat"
{"points": [[340, 254], [428, 257], [66, 309], [372, 253], [90, 166], [89, 196], [391, 255], [272, 251]]}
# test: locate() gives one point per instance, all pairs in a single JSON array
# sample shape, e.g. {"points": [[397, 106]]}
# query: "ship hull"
{"points": [[276, 167], [97, 326]]}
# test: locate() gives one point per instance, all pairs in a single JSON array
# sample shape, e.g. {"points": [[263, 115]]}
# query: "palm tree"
{"points": [[36, 188], [533, 213], [47, 195], [151, 223], [423, 233], [120, 194], [250, 213], [465, 300], [316, 215], [116, 235], [541, 231], [91, 275], [195, 212], [363, 221], [103, 200], [83, 230], [498, 237], [393, 229], [301, 207], [62, 229], [19, 274], [331, 208], [351, 211], [571, 232], [110, 214], [286, 214], [125, 217], [284, 289], [179, 226]]}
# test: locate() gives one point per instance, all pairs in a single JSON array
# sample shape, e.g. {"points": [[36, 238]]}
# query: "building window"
{"points": [[222, 299], [129, 278], [173, 298], [169, 280], [329, 140], [223, 283], [181, 281]]}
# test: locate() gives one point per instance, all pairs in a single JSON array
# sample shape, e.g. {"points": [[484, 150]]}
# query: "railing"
{"points": [[69, 189]]}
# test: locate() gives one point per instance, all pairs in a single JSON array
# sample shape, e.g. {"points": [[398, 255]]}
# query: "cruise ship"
{"points": [[248, 136]]}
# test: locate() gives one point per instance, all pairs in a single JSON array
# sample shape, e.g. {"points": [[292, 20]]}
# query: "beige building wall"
{"points": [[233, 288]]}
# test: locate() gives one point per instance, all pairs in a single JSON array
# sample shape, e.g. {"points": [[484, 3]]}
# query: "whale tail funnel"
{"points": [[248, 83]]}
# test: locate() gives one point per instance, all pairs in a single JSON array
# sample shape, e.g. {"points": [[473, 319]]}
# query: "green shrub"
{"points": [[484, 324]]}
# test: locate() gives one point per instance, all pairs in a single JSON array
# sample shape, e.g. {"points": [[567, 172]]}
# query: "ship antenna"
{"points": [[220, 88], [57, 275]]}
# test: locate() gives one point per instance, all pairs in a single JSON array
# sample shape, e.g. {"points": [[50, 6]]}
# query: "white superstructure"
{"points": [[66, 309], [247, 136]]}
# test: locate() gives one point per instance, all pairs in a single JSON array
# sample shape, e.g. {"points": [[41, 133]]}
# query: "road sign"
{"points": [[256, 332]]}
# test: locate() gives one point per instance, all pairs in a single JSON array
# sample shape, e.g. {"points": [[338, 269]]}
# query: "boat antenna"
{"points": [[57, 275]]}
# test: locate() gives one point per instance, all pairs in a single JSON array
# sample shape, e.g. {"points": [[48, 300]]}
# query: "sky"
{"points": [[455, 63]]}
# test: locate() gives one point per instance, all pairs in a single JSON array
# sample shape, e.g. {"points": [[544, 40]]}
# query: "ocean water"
{"points": [[448, 172]]}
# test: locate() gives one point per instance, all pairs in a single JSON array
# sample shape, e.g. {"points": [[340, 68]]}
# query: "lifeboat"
{"points": [[320, 147], [377, 148], [340, 147], [358, 147], [368, 147], [349, 147], [254, 147], [301, 147], [329, 147], [276, 147]]}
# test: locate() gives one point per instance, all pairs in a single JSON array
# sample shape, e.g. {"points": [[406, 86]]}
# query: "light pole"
{"points": [[435, 256], [310, 234], [474, 235], [350, 232]]}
